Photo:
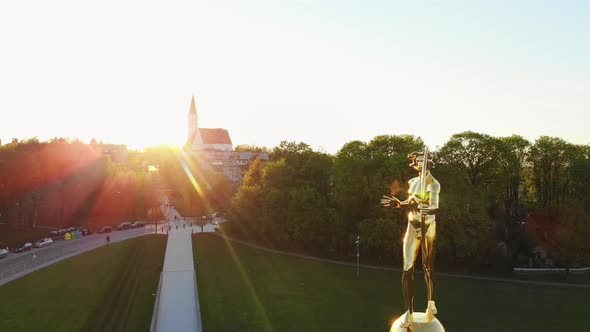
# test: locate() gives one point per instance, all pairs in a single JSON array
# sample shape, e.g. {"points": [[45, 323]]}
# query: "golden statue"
{"points": [[423, 196]]}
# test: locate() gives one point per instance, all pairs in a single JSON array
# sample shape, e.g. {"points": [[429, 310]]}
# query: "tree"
{"points": [[392, 145], [474, 154], [253, 174], [551, 159], [464, 229], [290, 151], [563, 228], [580, 173], [362, 174], [512, 153], [245, 212], [251, 148]]}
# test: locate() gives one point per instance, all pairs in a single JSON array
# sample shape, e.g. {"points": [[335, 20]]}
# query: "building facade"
{"points": [[215, 147]]}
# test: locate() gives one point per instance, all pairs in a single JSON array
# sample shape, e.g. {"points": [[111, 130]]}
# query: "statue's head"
{"points": [[417, 160]]}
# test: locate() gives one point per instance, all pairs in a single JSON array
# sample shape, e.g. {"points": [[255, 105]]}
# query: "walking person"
{"points": [[108, 239]]}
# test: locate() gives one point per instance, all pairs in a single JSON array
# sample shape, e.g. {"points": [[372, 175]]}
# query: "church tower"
{"points": [[193, 120], [199, 139]]}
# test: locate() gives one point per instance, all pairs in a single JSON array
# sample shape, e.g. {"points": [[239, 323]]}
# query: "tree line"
{"points": [[502, 199], [61, 182]]}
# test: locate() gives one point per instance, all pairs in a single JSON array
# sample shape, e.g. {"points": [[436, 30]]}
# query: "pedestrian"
{"points": [[183, 225], [176, 226], [108, 239]]}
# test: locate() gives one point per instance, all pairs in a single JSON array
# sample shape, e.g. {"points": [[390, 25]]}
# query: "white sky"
{"points": [[321, 72]]}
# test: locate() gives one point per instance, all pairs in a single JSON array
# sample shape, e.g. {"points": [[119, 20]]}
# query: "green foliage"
{"points": [[62, 183], [209, 192], [551, 159], [463, 226], [474, 154], [253, 174], [286, 199], [580, 172], [252, 148], [564, 228], [512, 154], [303, 197], [307, 199], [10, 235]]}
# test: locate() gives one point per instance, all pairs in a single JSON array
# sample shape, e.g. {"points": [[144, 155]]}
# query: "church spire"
{"points": [[193, 108], [193, 120]]}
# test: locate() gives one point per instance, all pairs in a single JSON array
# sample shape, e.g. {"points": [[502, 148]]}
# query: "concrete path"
{"points": [[177, 305]]}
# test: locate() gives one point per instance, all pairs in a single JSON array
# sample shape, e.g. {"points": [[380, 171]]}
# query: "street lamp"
{"points": [[17, 213], [358, 244]]}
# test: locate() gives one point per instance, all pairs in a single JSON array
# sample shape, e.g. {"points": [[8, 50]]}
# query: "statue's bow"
{"points": [[423, 178]]}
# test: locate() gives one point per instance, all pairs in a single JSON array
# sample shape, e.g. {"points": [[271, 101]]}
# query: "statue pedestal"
{"points": [[419, 325]]}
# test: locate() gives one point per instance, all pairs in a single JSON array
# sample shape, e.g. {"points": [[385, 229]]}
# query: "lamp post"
{"points": [[17, 213], [358, 244]]}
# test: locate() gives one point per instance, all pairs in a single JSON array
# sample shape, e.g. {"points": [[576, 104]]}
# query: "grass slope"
{"points": [[246, 289], [107, 289]]}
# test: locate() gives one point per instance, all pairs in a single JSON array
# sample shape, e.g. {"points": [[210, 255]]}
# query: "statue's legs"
{"points": [[410, 251], [428, 257]]}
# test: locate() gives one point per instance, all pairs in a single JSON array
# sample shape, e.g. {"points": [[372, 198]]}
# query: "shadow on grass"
{"points": [[107, 289], [246, 289]]}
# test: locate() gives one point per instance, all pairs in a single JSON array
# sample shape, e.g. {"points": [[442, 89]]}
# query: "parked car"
{"points": [[58, 234], [137, 224], [84, 230], [23, 247], [123, 226], [43, 243], [3, 253], [106, 229]]}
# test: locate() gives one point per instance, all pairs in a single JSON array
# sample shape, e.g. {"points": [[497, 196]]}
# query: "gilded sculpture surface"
{"points": [[422, 202]]}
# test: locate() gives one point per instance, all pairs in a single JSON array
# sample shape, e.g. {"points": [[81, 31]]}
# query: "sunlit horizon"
{"points": [[323, 73]]}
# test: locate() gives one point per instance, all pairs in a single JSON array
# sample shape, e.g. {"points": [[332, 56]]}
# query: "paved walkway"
{"points": [[177, 306]]}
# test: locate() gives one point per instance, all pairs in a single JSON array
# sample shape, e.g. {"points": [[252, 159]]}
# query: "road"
{"points": [[19, 264]]}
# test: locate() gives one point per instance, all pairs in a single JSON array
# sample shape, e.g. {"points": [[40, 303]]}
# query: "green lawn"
{"points": [[107, 289], [247, 289]]}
